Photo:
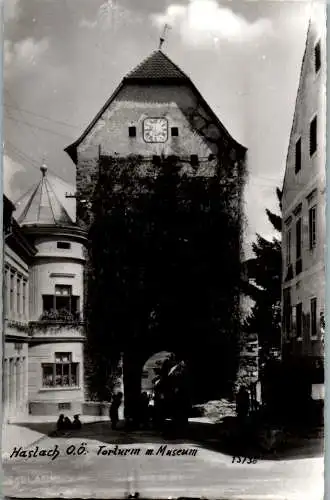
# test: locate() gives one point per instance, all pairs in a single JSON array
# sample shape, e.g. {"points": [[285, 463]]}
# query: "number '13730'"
{"points": [[242, 460]]}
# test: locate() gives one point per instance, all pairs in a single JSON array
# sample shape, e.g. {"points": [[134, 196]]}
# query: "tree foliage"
{"points": [[164, 269], [264, 273]]}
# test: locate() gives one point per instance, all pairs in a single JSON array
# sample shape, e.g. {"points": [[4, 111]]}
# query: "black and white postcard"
{"points": [[164, 249]]}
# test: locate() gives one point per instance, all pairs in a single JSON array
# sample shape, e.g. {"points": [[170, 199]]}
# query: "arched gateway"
{"points": [[134, 372]]}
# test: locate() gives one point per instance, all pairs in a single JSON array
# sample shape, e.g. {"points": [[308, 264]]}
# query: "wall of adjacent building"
{"points": [[303, 190], [15, 355], [16, 266], [311, 101], [15, 379]]}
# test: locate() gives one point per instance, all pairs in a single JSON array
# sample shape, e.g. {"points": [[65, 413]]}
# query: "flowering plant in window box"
{"points": [[61, 315]]}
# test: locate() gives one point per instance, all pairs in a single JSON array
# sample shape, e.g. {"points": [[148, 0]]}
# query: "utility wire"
{"points": [[32, 126], [41, 116], [13, 100], [23, 156]]}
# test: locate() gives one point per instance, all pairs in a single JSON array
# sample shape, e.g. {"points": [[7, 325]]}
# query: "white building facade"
{"points": [[303, 210], [43, 285]]}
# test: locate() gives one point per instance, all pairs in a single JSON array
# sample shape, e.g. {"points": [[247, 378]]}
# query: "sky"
{"points": [[63, 59]]}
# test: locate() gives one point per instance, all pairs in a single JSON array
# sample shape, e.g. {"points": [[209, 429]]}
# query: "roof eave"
{"points": [[296, 102], [20, 238], [71, 150], [73, 230]]}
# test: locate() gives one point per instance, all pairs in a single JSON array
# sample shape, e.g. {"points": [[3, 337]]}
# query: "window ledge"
{"points": [[57, 322], [299, 339], [52, 389], [313, 338]]}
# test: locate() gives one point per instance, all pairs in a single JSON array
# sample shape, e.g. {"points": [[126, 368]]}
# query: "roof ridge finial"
{"points": [[163, 37]]}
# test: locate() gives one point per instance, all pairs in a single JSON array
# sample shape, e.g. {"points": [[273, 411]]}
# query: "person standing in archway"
{"points": [[242, 404], [114, 409]]}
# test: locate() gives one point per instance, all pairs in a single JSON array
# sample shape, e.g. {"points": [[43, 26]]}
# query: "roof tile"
{"points": [[157, 66]]}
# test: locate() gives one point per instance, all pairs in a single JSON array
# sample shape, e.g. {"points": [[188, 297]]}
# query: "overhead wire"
{"points": [[44, 129], [262, 181], [13, 100], [43, 117], [23, 156], [32, 162]]}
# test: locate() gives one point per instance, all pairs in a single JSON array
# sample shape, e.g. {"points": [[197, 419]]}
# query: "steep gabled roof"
{"points": [[155, 68], [42, 207]]}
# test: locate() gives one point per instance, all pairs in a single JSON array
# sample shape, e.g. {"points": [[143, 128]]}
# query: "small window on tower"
{"points": [[194, 160], [132, 131], [174, 132], [64, 245], [317, 53]]}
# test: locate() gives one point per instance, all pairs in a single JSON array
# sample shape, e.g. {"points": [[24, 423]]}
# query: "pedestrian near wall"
{"points": [[114, 409]]}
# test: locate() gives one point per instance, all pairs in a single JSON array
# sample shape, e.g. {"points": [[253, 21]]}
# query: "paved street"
{"points": [[183, 473]]}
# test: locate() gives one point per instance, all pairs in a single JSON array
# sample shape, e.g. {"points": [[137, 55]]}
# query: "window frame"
{"points": [[12, 291], [317, 57], [288, 246], [67, 245], [298, 155], [73, 371], [313, 136], [73, 301], [132, 132], [68, 296], [298, 247], [313, 324], [312, 227], [18, 294], [24, 297], [299, 314]]}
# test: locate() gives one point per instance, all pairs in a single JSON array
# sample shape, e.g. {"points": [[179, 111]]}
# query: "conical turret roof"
{"points": [[42, 207]]}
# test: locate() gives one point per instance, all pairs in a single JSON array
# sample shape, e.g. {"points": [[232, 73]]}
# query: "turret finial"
{"points": [[43, 169]]}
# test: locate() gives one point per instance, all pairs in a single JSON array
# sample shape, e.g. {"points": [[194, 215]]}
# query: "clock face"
{"points": [[155, 130]]}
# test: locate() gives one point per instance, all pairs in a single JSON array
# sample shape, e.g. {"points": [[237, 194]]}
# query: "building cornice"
{"points": [[319, 267], [74, 232], [44, 339], [57, 257], [303, 194]]}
